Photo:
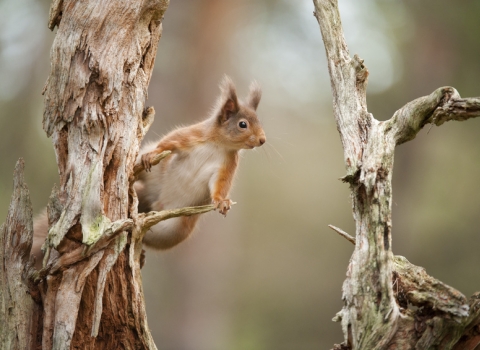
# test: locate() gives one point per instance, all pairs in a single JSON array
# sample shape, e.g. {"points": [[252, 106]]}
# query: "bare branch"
{"points": [[442, 105], [154, 217], [343, 234], [458, 109], [411, 118], [348, 78]]}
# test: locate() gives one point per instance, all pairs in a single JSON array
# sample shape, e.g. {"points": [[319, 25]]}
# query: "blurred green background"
{"points": [[269, 276]]}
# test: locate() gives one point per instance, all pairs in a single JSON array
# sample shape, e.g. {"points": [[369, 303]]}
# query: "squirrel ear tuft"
{"points": [[228, 99], [254, 95]]}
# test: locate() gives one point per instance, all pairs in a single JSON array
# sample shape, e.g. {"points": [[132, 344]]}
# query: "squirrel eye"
{"points": [[242, 124]]}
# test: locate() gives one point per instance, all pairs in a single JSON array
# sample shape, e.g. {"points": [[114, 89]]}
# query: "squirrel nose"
{"points": [[262, 140]]}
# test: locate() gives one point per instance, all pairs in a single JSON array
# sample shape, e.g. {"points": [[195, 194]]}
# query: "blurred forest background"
{"points": [[269, 276]]}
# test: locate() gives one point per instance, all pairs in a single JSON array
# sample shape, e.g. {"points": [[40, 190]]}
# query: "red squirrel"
{"points": [[199, 171], [202, 165]]}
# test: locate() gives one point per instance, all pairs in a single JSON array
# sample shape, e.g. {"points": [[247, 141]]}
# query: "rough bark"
{"points": [[19, 313], [380, 289], [101, 63]]}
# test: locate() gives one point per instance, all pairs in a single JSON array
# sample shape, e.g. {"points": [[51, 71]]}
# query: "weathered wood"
{"points": [[367, 291], [19, 314], [380, 289], [412, 286], [102, 60], [143, 221]]}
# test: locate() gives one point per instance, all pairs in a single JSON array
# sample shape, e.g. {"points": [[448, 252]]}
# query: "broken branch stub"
{"points": [[19, 314]]}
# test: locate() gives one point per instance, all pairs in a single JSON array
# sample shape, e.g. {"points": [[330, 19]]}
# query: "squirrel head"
{"points": [[238, 124]]}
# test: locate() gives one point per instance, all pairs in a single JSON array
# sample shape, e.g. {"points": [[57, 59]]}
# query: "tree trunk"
{"points": [[381, 288], [102, 60], [91, 291]]}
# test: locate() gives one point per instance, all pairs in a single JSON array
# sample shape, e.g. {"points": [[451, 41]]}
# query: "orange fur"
{"points": [[225, 178], [202, 165]]}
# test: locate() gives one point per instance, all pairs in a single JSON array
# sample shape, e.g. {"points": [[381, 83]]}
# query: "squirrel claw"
{"points": [[146, 162], [223, 206]]}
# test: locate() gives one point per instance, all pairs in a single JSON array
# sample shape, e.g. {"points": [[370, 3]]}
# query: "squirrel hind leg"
{"points": [[167, 234]]}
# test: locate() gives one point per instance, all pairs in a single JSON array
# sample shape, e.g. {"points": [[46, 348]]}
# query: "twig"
{"points": [[154, 217], [343, 234]]}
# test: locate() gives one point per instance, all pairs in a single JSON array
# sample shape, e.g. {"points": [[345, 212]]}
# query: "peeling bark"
{"points": [[101, 64], [389, 303], [19, 313]]}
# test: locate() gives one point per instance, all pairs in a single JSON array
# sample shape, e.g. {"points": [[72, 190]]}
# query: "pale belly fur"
{"points": [[184, 180]]}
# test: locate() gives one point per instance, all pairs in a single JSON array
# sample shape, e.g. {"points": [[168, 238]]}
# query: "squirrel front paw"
{"points": [[223, 205], [147, 161]]}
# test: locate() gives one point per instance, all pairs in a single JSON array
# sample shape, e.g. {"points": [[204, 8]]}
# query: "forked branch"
{"points": [[442, 105], [380, 287]]}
